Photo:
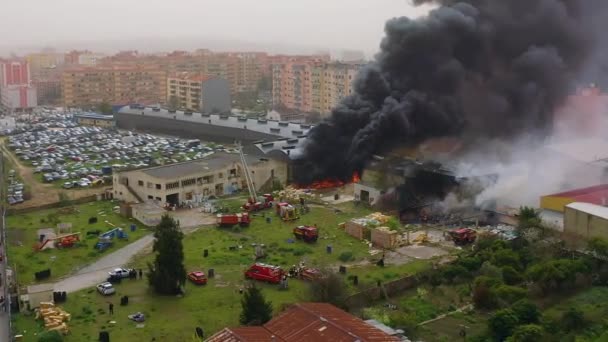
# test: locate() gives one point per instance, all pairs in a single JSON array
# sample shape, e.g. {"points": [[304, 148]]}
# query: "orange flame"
{"points": [[331, 183]]}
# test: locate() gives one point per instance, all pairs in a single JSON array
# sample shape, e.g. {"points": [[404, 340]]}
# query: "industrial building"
{"points": [[597, 195], [217, 174], [94, 119], [216, 127], [199, 93], [586, 220]]}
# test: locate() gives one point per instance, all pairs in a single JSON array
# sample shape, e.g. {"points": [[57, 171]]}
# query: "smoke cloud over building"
{"points": [[476, 70]]}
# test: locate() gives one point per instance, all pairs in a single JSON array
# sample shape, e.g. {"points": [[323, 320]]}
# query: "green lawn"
{"points": [[22, 237], [217, 304]]}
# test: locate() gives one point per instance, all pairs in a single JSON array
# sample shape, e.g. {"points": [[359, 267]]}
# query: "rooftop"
{"points": [[309, 322], [95, 116], [594, 194], [185, 76], [271, 127], [591, 209], [211, 162]]}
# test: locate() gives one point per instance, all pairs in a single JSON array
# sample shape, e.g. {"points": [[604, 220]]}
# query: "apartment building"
{"points": [[312, 86], [215, 175], [16, 90], [199, 93], [89, 86]]}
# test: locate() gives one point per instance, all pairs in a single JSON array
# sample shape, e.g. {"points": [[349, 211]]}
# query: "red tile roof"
{"points": [[593, 194], [308, 322]]}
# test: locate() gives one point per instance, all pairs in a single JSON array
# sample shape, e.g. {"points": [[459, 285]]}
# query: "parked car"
{"points": [[121, 272], [265, 272], [197, 277], [68, 185], [106, 288]]}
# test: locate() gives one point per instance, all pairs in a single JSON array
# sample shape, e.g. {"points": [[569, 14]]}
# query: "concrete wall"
{"points": [[187, 129], [216, 96], [584, 225], [374, 194]]}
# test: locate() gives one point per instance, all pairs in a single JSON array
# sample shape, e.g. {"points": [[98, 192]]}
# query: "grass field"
{"points": [[22, 237], [217, 304]]}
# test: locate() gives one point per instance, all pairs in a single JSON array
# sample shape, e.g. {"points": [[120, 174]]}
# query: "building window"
{"points": [[172, 185], [140, 183], [220, 175], [188, 182], [150, 197], [158, 187], [158, 198]]}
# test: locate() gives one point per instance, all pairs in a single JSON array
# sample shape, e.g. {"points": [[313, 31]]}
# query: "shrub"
{"points": [[487, 269], [527, 333], [526, 311], [502, 324], [345, 256], [452, 272], [511, 276], [470, 263], [510, 294], [573, 320]]}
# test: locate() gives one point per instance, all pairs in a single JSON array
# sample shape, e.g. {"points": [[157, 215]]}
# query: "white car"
{"points": [[106, 289], [121, 273]]}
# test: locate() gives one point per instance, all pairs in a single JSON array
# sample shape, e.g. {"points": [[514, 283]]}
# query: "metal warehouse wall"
{"points": [[555, 203], [584, 225], [187, 129]]}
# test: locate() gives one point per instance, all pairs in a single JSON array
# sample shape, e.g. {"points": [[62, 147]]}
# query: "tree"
{"points": [[599, 247], [173, 103], [452, 272], [573, 320], [256, 310], [511, 276], [470, 263], [527, 333], [527, 218], [105, 108], [506, 257], [526, 312], [167, 275], [50, 336], [510, 294], [502, 324], [330, 288], [484, 296]]}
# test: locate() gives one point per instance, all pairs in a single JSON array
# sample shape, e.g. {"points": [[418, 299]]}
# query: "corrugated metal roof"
{"points": [[594, 194], [591, 209], [95, 116], [292, 130]]}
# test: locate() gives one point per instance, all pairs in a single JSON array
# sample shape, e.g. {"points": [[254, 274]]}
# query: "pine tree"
{"points": [[167, 275], [256, 310]]}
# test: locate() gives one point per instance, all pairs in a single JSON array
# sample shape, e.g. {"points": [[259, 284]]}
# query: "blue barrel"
{"points": [[106, 170], [133, 227], [328, 249]]}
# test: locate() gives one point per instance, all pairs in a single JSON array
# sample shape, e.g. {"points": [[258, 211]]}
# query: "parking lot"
{"points": [[65, 155]]}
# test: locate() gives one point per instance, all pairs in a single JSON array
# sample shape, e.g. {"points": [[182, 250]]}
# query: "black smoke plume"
{"points": [[474, 69]]}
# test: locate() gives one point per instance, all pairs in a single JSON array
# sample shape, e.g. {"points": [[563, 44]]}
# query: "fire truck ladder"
{"points": [[250, 185]]}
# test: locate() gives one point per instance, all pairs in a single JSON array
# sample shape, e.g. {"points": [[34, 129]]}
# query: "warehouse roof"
{"points": [[314, 322], [270, 127], [211, 162], [291, 147], [95, 116], [591, 209], [594, 194]]}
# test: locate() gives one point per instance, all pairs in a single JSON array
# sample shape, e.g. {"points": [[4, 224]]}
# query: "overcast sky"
{"points": [[333, 24]]}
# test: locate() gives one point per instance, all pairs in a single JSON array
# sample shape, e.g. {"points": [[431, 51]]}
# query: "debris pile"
{"points": [[291, 194], [54, 317]]}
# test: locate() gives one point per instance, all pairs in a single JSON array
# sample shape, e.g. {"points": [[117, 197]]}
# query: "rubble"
{"points": [[54, 317]]}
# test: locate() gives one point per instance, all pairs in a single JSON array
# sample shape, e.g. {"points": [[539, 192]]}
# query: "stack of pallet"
{"points": [[291, 194], [54, 317]]}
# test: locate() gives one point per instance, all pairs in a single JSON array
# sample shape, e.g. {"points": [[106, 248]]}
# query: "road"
{"points": [[97, 272]]}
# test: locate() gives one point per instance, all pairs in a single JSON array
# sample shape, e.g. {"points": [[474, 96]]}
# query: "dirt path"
{"points": [[97, 272], [41, 193]]}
